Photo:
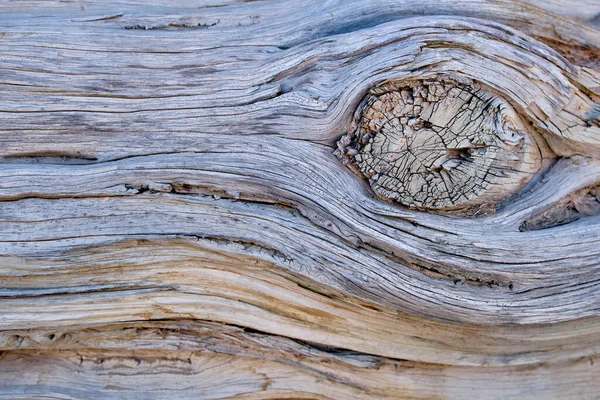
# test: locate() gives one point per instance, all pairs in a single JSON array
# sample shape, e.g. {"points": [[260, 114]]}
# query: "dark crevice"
{"points": [[23, 293], [172, 26], [49, 157], [246, 245], [580, 204]]}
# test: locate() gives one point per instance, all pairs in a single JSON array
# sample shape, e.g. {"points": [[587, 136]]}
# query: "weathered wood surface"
{"points": [[183, 213]]}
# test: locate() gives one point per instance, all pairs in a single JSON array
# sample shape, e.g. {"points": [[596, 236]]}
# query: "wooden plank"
{"points": [[206, 200]]}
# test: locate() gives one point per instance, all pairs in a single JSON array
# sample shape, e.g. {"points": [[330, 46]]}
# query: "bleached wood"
{"points": [[176, 221], [440, 146]]}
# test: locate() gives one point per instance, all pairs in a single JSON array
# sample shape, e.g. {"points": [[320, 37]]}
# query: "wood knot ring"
{"points": [[440, 146]]}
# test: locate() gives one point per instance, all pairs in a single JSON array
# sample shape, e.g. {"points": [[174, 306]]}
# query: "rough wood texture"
{"points": [[183, 212], [440, 146]]}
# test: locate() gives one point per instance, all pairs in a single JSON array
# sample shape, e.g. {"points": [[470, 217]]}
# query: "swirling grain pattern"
{"points": [[320, 199]]}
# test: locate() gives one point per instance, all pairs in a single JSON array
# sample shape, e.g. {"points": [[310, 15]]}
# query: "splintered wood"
{"points": [[342, 199]]}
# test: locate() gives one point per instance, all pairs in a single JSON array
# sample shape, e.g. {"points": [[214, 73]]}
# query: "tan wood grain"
{"points": [[176, 219]]}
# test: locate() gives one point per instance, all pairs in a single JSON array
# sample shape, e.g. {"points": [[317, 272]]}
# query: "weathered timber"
{"points": [[282, 199]]}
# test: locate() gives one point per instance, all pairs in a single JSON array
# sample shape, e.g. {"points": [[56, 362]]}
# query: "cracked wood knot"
{"points": [[440, 146]]}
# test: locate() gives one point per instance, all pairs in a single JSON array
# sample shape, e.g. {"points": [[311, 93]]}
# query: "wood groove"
{"points": [[174, 220]]}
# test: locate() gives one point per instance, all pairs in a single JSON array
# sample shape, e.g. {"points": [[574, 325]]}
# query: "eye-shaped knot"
{"points": [[440, 146]]}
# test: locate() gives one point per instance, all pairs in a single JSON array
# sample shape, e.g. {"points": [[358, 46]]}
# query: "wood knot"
{"points": [[440, 146]]}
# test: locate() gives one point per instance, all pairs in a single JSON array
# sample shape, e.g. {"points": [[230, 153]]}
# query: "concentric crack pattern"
{"points": [[440, 146]]}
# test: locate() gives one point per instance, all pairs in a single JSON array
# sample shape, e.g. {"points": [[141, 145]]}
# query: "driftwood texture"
{"points": [[217, 199]]}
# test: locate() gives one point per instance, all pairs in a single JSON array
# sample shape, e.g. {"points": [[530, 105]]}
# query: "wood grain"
{"points": [[175, 222]]}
